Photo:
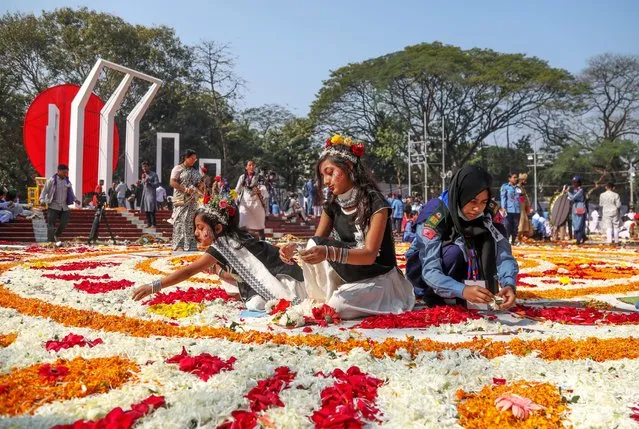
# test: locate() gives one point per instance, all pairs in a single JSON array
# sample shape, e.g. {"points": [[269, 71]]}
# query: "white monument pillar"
{"points": [[52, 141], [107, 120], [76, 128], [158, 151], [132, 149], [76, 137], [217, 162]]}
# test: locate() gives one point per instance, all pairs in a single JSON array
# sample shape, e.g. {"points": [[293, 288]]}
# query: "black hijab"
{"points": [[466, 184]]}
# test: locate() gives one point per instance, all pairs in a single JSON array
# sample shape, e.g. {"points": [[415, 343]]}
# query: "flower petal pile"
{"points": [[568, 362], [203, 365]]}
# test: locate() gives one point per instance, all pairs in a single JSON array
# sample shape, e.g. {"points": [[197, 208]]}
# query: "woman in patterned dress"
{"points": [[185, 179]]}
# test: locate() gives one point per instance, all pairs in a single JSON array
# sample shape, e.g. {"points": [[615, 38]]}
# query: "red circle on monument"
{"points": [[35, 129]]}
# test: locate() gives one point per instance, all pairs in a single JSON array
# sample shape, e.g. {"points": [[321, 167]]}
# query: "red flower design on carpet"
{"points": [[204, 365], [71, 340]]}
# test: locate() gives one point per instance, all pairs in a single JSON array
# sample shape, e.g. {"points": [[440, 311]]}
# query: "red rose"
{"points": [[218, 178], [357, 149], [231, 211], [281, 306], [222, 204], [328, 143], [207, 198], [204, 170]]}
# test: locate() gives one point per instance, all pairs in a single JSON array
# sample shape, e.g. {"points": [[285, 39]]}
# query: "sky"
{"points": [[284, 49]]}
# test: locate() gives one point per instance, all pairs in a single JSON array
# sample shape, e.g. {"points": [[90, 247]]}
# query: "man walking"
{"points": [[510, 193], [58, 195], [610, 204]]}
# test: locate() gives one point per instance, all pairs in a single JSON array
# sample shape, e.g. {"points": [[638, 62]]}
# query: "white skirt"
{"points": [[252, 213], [386, 293]]}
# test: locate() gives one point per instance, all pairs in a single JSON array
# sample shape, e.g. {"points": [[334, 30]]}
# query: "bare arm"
{"points": [[176, 185], [199, 265]]}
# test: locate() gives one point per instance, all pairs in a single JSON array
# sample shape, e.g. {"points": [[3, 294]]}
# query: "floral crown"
{"points": [[219, 207], [343, 147]]}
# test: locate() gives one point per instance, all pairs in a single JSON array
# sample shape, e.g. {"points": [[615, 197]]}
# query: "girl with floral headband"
{"points": [[350, 264], [236, 257]]}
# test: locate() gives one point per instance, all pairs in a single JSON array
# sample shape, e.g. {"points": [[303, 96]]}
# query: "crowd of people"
{"points": [[459, 253], [460, 241]]}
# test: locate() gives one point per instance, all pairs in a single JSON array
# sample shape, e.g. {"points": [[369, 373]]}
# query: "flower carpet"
{"points": [[76, 351]]}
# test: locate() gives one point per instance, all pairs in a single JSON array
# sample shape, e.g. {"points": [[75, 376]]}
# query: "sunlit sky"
{"points": [[285, 49]]}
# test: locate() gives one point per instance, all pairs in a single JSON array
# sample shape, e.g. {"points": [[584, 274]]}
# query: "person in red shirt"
{"points": [[98, 191]]}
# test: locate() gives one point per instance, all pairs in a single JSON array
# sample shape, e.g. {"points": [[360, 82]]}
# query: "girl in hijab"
{"points": [[457, 240]]}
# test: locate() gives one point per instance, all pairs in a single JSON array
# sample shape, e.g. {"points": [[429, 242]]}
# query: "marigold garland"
{"points": [[145, 266], [478, 411], [26, 389], [552, 349], [574, 293], [7, 339]]}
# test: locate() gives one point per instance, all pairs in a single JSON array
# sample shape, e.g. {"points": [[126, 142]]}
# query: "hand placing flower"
{"points": [[142, 291]]}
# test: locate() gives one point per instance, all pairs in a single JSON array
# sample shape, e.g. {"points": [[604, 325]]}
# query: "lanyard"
{"points": [[473, 265]]}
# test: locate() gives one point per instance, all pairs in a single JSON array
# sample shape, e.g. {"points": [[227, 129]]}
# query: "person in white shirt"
{"points": [[610, 204], [160, 196]]}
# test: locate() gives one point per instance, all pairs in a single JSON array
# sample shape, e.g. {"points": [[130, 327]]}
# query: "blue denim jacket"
{"points": [[510, 197], [424, 257]]}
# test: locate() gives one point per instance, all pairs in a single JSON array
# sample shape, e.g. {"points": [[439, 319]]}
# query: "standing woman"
{"points": [[185, 178], [525, 227], [351, 264], [577, 197], [150, 182], [252, 199]]}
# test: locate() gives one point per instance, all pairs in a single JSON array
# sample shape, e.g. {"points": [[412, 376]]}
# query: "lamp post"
{"points": [[631, 177], [534, 157]]}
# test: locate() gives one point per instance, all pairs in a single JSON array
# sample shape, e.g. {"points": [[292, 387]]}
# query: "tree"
{"points": [[612, 101], [500, 161], [290, 153], [265, 118], [62, 46], [589, 130], [216, 74], [477, 92]]}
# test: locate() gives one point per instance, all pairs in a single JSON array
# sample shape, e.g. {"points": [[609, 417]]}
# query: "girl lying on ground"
{"points": [[237, 258]]}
